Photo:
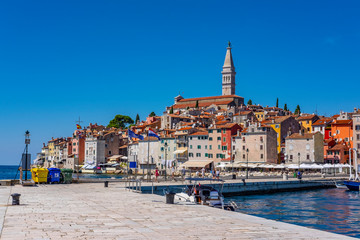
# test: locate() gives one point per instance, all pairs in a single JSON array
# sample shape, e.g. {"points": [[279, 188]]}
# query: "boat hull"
{"points": [[352, 185]]}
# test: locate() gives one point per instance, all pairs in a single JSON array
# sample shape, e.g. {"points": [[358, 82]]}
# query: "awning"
{"points": [[199, 163], [114, 157], [180, 151]]}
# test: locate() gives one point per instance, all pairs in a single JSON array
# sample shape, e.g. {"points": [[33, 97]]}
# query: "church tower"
{"points": [[228, 74]]}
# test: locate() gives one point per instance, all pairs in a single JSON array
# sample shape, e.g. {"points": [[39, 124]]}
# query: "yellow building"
{"points": [[307, 121], [260, 116]]}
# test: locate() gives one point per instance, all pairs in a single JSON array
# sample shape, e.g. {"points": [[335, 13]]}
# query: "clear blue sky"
{"points": [[63, 59]]}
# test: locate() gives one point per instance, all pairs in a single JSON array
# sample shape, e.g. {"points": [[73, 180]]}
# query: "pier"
{"points": [[92, 211]]}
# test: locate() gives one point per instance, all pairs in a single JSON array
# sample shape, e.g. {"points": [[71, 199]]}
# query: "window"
{"points": [[277, 126], [261, 139], [109, 152], [261, 147], [346, 139], [199, 147], [357, 127], [191, 155], [210, 156], [307, 122], [224, 131], [357, 136], [243, 156], [162, 140], [219, 131], [261, 156], [224, 147], [224, 139], [190, 146], [210, 131], [291, 157], [210, 138], [162, 149], [307, 146], [308, 129], [198, 154], [337, 131], [190, 138], [206, 155], [243, 147], [210, 147], [219, 138], [219, 147], [307, 156], [358, 146], [205, 146], [234, 148], [74, 144], [329, 134], [243, 139]]}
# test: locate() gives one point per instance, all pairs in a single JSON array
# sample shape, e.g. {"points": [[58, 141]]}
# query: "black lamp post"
{"points": [[27, 142], [165, 158], [247, 163], [299, 160]]}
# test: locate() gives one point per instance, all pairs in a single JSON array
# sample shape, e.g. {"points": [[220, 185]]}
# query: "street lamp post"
{"points": [[299, 161], [165, 158], [27, 142], [247, 163]]}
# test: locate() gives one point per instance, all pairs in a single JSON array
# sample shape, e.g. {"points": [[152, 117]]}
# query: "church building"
{"points": [[228, 98]]}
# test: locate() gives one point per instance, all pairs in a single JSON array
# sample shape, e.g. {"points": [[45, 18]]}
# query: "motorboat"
{"points": [[204, 194], [352, 185]]}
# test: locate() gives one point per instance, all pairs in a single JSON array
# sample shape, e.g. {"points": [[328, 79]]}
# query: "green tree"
{"points": [[120, 121], [297, 110], [197, 104], [285, 107], [249, 102], [172, 110], [277, 102], [137, 119], [152, 114]]}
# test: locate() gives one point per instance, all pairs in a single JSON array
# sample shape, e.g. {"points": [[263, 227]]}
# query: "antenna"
{"points": [[78, 121]]}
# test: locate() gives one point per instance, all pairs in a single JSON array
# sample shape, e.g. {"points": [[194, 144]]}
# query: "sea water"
{"points": [[334, 210]]}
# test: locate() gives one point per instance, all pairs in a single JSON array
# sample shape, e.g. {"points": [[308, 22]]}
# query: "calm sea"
{"points": [[9, 172], [334, 210]]}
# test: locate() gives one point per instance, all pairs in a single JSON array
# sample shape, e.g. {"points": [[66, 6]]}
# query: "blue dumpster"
{"points": [[54, 175]]}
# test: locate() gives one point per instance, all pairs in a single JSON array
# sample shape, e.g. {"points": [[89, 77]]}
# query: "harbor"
{"points": [[92, 211]]}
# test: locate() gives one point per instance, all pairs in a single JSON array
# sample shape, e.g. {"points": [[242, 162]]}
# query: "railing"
{"points": [[181, 158], [133, 185], [181, 141]]}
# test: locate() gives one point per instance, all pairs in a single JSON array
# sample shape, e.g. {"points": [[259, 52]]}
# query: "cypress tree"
{"points": [[285, 107], [197, 104], [172, 110], [137, 118], [249, 102], [277, 102]]}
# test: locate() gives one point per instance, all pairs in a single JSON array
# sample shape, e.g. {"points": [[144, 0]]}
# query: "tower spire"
{"points": [[228, 73]]}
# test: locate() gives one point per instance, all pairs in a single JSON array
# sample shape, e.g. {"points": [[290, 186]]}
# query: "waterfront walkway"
{"points": [[90, 211]]}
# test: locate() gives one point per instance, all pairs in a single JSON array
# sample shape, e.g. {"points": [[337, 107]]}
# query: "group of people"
{"points": [[215, 174]]}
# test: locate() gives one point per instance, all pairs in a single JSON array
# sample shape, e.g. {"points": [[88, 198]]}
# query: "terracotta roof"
{"points": [[242, 113], [199, 134], [147, 138], [207, 98], [338, 146], [201, 104], [341, 122], [301, 136], [321, 122], [176, 116], [308, 117], [185, 128]]}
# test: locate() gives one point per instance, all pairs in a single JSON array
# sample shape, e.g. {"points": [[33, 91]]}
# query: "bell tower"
{"points": [[228, 74]]}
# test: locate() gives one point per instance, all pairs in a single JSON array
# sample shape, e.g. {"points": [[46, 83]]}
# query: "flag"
{"points": [[134, 135], [152, 133], [78, 126]]}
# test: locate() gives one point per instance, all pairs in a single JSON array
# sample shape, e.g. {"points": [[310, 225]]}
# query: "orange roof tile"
{"points": [[199, 134], [207, 98]]}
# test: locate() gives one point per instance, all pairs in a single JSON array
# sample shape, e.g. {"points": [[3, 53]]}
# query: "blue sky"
{"points": [[63, 59]]}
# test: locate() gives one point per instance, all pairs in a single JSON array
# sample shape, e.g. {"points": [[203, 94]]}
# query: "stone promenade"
{"points": [[90, 211]]}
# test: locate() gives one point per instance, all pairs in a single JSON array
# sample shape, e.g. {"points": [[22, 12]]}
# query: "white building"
{"points": [[148, 154], [94, 150]]}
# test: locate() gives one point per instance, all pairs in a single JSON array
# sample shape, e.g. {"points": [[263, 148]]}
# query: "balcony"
{"points": [[181, 158], [181, 141]]}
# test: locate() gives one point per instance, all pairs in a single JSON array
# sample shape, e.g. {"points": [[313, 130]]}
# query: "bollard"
{"points": [[244, 181], [106, 183], [15, 198]]}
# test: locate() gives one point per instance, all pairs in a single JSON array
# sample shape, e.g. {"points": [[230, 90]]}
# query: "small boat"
{"points": [[352, 185], [339, 184], [204, 195]]}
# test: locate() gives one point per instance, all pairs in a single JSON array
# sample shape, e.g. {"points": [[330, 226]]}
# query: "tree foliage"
{"points": [[152, 114], [120, 121], [285, 107], [249, 102], [197, 104], [277, 102], [137, 119], [297, 110], [172, 110]]}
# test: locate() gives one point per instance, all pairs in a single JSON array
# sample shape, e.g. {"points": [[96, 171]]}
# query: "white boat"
{"points": [[203, 194]]}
